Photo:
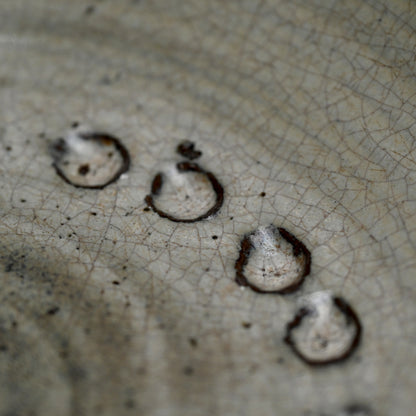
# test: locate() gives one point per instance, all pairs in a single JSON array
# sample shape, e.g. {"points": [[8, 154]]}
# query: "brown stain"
{"points": [[157, 184], [103, 139], [83, 169], [187, 149]]}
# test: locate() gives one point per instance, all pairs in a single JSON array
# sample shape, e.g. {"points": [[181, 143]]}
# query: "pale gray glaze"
{"points": [[311, 102]]}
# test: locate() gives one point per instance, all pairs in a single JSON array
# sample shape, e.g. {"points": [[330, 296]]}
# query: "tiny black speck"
{"points": [[53, 310], [129, 404], [187, 149], [188, 371], [89, 10], [193, 342], [357, 408], [83, 169]]}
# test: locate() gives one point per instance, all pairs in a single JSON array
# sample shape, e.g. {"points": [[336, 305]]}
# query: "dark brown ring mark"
{"points": [[157, 184], [105, 139], [352, 319], [245, 250], [187, 149]]}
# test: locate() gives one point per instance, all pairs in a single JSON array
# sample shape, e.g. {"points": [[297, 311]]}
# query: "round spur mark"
{"points": [[325, 330], [187, 198], [89, 160], [272, 260]]}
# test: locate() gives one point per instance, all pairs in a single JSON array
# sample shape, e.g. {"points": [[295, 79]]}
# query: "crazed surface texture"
{"points": [[107, 309]]}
